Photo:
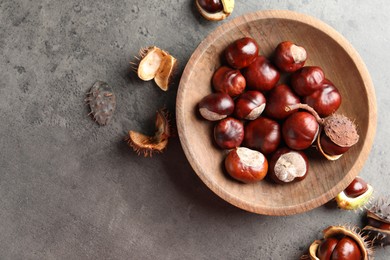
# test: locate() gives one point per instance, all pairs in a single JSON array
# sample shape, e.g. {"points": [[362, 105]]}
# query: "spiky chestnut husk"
{"points": [[155, 63], [378, 226], [228, 6], [148, 145], [338, 128], [338, 232], [102, 102]]}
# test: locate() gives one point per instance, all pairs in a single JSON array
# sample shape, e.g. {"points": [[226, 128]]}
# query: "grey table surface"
{"points": [[70, 189]]}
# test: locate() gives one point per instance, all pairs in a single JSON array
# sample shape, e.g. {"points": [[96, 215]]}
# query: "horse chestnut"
{"points": [[289, 57], [300, 130], [356, 188], [211, 6], [261, 75], [277, 100], [262, 134], [287, 165], [246, 165], [307, 80], [229, 81], [249, 105], [241, 52], [216, 106], [326, 100], [229, 133]]}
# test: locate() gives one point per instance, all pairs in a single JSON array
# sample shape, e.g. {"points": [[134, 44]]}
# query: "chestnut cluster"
{"points": [[273, 121]]}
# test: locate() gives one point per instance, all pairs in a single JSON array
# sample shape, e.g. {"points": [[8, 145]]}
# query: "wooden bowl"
{"points": [[342, 65]]}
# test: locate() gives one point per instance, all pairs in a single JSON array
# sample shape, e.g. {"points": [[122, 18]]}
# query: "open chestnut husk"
{"points": [[340, 131], [378, 222], [287, 165], [215, 10], [156, 64], [356, 195], [147, 145], [341, 242]]}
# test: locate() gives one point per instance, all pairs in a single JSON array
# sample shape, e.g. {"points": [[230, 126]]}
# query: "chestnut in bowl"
{"points": [[241, 52], [277, 100], [228, 81], [307, 80], [216, 106], [261, 75], [250, 105], [289, 57], [229, 133], [262, 134]]}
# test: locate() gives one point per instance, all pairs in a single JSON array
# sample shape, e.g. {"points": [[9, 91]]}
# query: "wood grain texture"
{"points": [[342, 65]]}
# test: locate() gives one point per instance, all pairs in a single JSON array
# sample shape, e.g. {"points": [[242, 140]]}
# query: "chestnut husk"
{"points": [[378, 214], [363, 242]]}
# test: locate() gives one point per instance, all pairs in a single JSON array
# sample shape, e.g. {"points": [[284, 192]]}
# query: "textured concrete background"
{"points": [[70, 189]]}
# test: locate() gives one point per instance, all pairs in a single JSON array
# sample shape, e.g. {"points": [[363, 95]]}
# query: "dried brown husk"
{"points": [[156, 64], [148, 145]]}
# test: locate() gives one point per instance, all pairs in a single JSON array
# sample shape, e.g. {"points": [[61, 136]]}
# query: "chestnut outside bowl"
{"points": [[342, 65]]}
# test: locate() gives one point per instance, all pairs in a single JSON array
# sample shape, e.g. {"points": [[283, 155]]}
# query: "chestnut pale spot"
{"points": [[290, 166], [256, 112], [298, 53], [250, 157], [210, 115]]}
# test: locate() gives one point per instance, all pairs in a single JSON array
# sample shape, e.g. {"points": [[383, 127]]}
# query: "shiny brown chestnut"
{"points": [[246, 165], [216, 106], [289, 57], [262, 134], [307, 80], [241, 52], [326, 100], [261, 75], [229, 133], [249, 105], [228, 81], [211, 6], [356, 188], [277, 100], [300, 130], [215, 10], [287, 165]]}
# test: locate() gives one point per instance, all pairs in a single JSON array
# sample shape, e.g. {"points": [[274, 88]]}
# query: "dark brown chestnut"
{"points": [[300, 130], [289, 57], [287, 165], [262, 134], [326, 100], [250, 105], [241, 52], [229, 133], [211, 6], [229, 81], [277, 100], [307, 80], [356, 188], [216, 106], [246, 165], [261, 75]]}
